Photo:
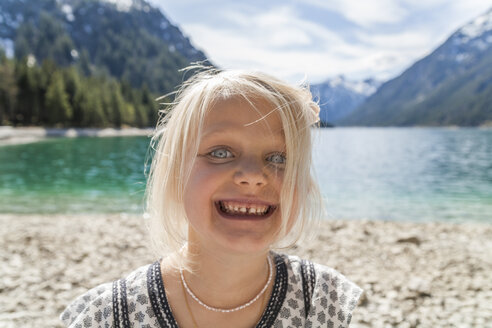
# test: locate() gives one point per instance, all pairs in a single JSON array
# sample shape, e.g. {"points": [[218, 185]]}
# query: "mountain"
{"points": [[338, 97], [129, 39], [451, 86]]}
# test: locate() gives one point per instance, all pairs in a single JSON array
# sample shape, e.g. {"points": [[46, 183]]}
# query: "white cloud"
{"points": [[365, 13], [464, 11], [278, 27], [271, 29], [231, 51], [424, 4], [280, 41], [276, 41], [474, 6]]}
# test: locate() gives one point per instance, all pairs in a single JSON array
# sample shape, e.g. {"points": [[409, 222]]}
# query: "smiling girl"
{"points": [[230, 182]]}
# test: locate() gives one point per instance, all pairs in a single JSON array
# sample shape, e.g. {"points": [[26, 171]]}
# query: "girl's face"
{"points": [[232, 198]]}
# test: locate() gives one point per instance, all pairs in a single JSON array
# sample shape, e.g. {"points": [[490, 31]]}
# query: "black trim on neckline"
{"points": [[308, 281], [124, 305], [157, 295], [278, 294], [116, 315]]}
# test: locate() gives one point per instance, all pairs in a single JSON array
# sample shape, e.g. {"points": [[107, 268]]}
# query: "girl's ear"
{"points": [[314, 117]]}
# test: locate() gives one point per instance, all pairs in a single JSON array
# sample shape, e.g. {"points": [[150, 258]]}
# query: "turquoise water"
{"points": [[80, 175], [415, 174], [412, 174]]}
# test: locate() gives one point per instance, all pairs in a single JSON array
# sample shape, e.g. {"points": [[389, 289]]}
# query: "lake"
{"points": [[410, 174]]}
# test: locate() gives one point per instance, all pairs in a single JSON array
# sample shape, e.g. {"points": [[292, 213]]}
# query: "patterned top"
{"points": [[304, 294]]}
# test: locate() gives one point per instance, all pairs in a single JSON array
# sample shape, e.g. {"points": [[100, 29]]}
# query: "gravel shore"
{"points": [[15, 136], [414, 274]]}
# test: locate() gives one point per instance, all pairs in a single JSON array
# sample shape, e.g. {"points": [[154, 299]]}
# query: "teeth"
{"points": [[251, 210]]}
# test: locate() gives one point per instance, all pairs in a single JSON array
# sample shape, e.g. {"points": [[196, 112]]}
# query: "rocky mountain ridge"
{"points": [[339, 96], [451, 86], [129, 39]]}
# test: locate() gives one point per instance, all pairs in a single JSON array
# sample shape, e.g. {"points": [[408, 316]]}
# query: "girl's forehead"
{"points": [[241, 114], [243, 110]]}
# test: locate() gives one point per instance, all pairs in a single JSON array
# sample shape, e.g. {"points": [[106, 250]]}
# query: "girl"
{"points": [[230, 181]]}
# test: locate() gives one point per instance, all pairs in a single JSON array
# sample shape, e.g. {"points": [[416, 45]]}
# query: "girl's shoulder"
{"points": [[102, 305], [329, 297], [318, 275]]}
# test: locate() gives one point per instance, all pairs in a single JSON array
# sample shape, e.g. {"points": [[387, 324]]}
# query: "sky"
{"points": [[315, 40]]}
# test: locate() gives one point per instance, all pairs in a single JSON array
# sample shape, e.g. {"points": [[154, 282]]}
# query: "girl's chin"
{"points": [[246, 241], [239, 242], [246, 249]]}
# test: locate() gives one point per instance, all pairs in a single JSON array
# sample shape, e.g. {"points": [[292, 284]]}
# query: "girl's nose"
{"points": [[250, 172]]}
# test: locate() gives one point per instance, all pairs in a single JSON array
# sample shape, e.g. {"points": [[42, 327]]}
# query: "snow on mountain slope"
{"points": [[339, 96]]}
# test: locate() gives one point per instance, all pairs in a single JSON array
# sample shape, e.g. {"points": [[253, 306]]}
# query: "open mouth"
{"points": [[238, 210]]}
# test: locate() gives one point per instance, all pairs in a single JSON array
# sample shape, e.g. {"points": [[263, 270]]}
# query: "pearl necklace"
{"points": [[237, 308]]}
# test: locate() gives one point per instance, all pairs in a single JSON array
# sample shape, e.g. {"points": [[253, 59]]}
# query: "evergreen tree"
{"points": [[52, 41], [104, 93], [95, 103], [72, 87], [90, 103], [8, 89], [46, 39], [28, 97], [46, 72], [84, 63], [129, 114], [57, 102], [149, 107], [141, 120], [117, 104], [25, 40]]}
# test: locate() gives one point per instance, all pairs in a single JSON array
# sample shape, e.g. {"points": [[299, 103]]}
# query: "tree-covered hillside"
{"points": [[48, 95]]}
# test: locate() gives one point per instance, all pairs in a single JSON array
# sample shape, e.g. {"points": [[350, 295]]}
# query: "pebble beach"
{"points": [[16, 136], [413, 274]]}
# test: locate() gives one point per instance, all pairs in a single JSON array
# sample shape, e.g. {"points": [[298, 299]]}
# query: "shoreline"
{"points": [[16, 136], [413, 274], [21, 135]]}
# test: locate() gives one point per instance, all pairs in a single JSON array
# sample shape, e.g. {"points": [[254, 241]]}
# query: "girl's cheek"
{"points": [[279, 175]]}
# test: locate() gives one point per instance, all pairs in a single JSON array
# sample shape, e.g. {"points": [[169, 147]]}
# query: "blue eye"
{"points": [[220, 153], [277, 158]]}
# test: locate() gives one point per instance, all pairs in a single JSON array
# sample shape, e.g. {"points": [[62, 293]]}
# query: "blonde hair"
{"points": [[176, 142]]}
